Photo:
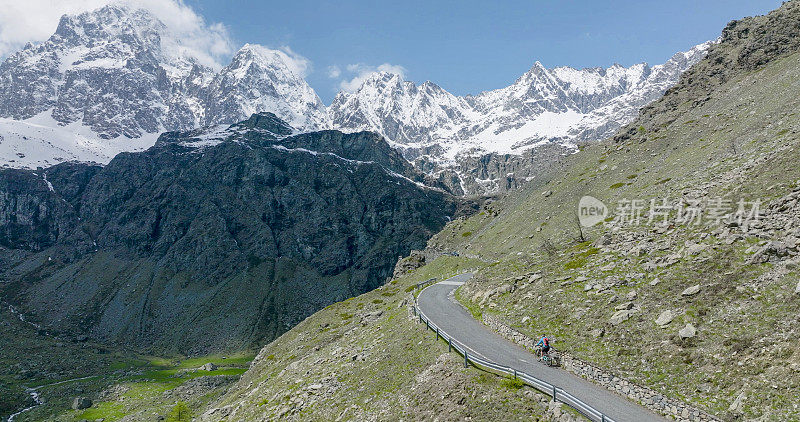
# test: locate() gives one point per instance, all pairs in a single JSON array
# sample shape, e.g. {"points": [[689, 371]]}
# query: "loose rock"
{"points": [[665, 318], [690, 291], [688, 331]]}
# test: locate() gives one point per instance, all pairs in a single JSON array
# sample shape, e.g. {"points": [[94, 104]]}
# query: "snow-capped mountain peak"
{"points": [[561, 104], [118, 73], [262, 79]]}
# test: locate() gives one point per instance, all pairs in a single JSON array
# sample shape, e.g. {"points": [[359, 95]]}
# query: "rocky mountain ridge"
{"points": [[248, 230]]}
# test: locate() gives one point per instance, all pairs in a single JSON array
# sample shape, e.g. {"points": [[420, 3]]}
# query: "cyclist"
{"points": [[544, 345]]}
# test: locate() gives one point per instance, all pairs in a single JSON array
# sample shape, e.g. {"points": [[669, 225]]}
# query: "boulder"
{"points": [[655, 281], [687, 332], [603, 240], [620, 316], [797, 288], [208, 367], [771, 249], [737, 405], [624, 306], [665, 318], [80, 403], [691, 291]]}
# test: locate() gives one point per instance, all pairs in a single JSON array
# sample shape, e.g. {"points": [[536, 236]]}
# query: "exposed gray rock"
{"points": [[80, 403], [621, 316], [691, 291], [664, 318], [688, 331]]}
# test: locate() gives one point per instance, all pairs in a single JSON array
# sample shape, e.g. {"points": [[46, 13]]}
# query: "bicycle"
{"points": [[550, 359]]}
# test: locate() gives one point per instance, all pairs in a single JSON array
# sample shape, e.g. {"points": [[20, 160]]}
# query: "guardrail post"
{"points": [[437, 333], [420, 316], [427, 325], [449, 345], [602, 418], [554, 394], [515, 374], [466, 359]]}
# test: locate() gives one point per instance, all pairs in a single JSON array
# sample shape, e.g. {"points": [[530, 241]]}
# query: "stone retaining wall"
{"points": [[648, 398]]}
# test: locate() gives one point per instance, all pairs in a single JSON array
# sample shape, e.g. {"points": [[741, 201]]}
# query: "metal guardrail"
{"points": [[558, 394], [428, 281]]}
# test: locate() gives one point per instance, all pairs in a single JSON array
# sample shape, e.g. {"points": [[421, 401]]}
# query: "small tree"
{"points": [[577, 220], [180, 413]]}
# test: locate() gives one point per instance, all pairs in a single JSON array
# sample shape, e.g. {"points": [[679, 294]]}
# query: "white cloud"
{"points": [[361, 72], [334, 72], [300, 65], [35, 20]]}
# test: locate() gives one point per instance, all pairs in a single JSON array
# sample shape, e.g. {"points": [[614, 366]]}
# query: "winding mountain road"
{"points": [[437, 302]]}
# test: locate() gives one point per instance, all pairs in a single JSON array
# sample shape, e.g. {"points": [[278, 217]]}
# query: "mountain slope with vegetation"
{"points": [[703, 313]]}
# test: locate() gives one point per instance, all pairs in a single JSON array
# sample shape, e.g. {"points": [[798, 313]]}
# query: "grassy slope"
{"points": [[367, 359], [740, 143]]}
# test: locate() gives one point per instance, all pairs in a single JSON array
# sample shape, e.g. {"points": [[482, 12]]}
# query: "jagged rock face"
{"points": [[32, 215], [259, 79], [217, 239], [104, 69]]}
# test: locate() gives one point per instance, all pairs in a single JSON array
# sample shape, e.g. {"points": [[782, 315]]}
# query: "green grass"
{"points": [[108, 411], [512, 383]]}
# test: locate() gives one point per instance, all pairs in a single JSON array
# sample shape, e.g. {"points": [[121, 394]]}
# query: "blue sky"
{"points": [[465, 46], [471, 46]]}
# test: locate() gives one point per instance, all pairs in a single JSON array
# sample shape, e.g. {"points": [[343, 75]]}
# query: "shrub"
{"points": [[179, 413], [512, 383]]}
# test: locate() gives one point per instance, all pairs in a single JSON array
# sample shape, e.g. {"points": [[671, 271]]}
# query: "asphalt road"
{"points": [[439, 305]]}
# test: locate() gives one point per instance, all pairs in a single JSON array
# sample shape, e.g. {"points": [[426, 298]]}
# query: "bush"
{"points": [[179, 413], [512, 383]]}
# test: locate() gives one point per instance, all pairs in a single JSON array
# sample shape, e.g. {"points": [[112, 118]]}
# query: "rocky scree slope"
{"points": [[704, 312], [213, 239]]}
